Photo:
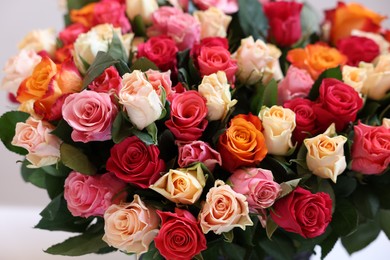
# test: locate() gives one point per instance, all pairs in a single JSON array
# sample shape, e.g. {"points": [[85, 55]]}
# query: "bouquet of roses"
{"points": [[224, 129]]}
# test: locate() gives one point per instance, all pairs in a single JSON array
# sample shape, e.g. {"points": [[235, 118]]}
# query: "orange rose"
{"points": [[241, 145], [347, 17], [84, 15], [315, 58]]}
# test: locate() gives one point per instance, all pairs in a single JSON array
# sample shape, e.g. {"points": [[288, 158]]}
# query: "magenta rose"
{"points": [[297, 83], [90, 114], [91, 195], [108, 82], [303, 213], [198, 151], [188, 116], [257, 185], [338, 103], [370, 149], [111, 12], [180, 236], [358, 49], [226, 6], [70, 33], [161, 50], [135, 162]]}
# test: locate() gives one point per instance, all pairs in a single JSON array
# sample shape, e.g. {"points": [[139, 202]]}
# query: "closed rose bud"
{"points": [[213, 22], [144, 8]]}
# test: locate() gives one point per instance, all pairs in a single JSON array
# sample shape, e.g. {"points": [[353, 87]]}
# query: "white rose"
{"points": [[140, 100], [354, 77], [377, 83], [377, 38], [145, 8], [18, 68], [40, 40], [278, 123], [213, 22], [216, 90], [325, 154], [386, 122]]}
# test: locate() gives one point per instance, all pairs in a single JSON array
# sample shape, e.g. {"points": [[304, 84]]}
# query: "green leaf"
{"points": [[8, 123], [121, 128], [329, 73], [76, 160], [143, 64], [252, 19], [270, 227], [345, 218], [366, 202], [288, 187], [58, 170], [102, 61], [63, 131], [116, 49], [280, 247], [152, 131], [228, 236], [144, 137], [152, 254], [370, 109], [78, 4], [384, 217], [54, 185], [265, 95], [139, 26], [328, 244], [35, 176], [345, 185]]}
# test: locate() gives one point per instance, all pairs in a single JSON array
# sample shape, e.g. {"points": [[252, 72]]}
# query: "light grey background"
{"points": [[20, 203]]}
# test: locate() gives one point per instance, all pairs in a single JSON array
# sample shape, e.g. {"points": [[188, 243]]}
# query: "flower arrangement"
{"points": [[224, 129]]}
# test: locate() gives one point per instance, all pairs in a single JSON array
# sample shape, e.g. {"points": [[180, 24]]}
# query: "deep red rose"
{"points": [[180, 236], [108, 82], [70, 33], [284, 20], [161, 50], [338, 103], [358, 49], [135, 162], [188, 116], [303, 213], [111, 12]]}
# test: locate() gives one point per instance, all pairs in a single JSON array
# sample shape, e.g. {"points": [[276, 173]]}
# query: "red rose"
{"points": [[338, 103], [305, 118], [303, 212], [180, 236], [64, 53], [108, 82], [161, 50], [371, 149], [134, 162], [284, 20], [358, 49], [70, 33], [188, 116], [208, 42], [111, 12]]}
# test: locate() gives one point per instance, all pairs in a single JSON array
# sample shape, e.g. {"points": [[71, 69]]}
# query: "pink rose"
{"points": [[91, 195], [257, 185], [70, 33], [188, 116], [108, 82], [113, 13], [157, 79], [297, 83], [371, 149], [227, 6], [183, 28], [90, 114], [198, 151]]}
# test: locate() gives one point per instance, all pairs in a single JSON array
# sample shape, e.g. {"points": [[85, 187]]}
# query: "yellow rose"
{"points": [[213, 22]]}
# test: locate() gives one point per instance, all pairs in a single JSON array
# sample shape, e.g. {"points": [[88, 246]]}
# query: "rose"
{"points": [[223, 210], [90, 114], [278, 124], [216, 90], [325, 154], [316, 58], [377, 83], [144, 8], [383, 44], [358, 49], [242, 144], [34, 136], [19, 68], [198, 151], [338, 103], [40, 40], [213, 22], [130, 227], [161, 50], [284, 22], [108, 82], [134, 162], [188, 116], [303, 213], [181, 185], [257, 185], [142, 104], [83, 15], [208, 42], [370, 149], [349, 16], [297, 83], [160, 79], [305, 118], [88, 196], [180, 236], [227, 6], [386, 122], [181, 4], [111, 12], [71, 32], [355, 77], [183, 28]]}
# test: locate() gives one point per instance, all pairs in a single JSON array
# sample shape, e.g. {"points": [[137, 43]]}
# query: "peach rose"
{"points": [[160, 79], [223, 210], [213, 22], [40, 40], [131, 227], [377, 84], [354, 77]]}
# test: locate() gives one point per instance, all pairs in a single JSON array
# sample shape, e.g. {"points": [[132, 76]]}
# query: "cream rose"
{"points": [[130, 227], [354, 77], [223, 210], [87, 45], [377, 83], [386, 122], [144, 8], [18, 68], [34, 136], [213, 22], [182, 185], [273, 70], [325, 154], [40, 40], [141, 101], [216, 90], [377, 38], [278, 123]]}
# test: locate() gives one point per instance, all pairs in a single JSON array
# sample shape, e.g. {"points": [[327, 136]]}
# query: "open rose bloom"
{"points": [[205, 129]]}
